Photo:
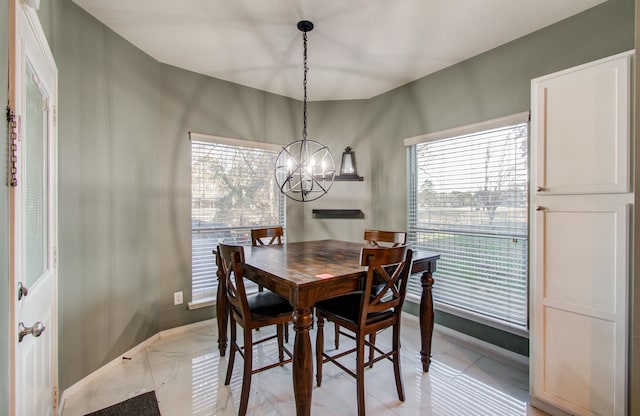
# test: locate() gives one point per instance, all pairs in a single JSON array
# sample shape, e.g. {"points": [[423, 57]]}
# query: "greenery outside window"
{"points": [[233, 189], [468, 200]]}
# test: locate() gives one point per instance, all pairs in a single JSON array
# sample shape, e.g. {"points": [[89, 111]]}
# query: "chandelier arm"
{"points": [[320, 185], [320, 151]]}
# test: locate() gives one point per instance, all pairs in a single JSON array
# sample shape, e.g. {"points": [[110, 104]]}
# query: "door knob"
{"points": [[22, 291], [37, 329]]}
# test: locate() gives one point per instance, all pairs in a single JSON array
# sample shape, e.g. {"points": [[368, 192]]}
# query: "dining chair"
{"points": [[265, 237], [250, 312], [374, 238], [364, 313], [394, 238]]}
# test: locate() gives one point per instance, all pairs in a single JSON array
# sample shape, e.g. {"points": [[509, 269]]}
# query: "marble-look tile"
{"points": [[188, 374], [192, 385], [512, 381], [183, 344], [127, 379]]}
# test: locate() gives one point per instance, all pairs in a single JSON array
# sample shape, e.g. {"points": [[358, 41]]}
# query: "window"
{"points": [[467, 200], [233, 189]]}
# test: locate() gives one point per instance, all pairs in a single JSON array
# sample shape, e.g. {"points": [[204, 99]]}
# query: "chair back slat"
{"points": [[388, 269], [266, 236], [232, 262], [393, 238]]}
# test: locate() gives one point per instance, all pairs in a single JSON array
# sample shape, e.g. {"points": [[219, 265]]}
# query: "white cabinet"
{"points": [[580, 237]]}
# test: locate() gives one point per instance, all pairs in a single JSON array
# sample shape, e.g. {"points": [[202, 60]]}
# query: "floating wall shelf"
{"points": [[355, 178], [338, 213]]}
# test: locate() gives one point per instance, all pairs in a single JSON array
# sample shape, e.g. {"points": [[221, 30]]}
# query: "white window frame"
{"points": [[203, 260], [414, 291]]}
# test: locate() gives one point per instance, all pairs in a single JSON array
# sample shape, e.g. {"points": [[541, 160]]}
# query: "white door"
{"points": [[33, 196]]}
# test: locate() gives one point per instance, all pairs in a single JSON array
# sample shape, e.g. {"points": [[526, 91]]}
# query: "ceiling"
{"points": [[357, 50]]}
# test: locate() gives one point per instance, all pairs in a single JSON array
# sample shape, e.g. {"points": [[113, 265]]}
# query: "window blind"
{"points": [[233, 189], [467, 200]]}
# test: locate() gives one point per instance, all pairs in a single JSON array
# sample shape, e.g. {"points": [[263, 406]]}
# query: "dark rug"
{"points": [[143, 405]]}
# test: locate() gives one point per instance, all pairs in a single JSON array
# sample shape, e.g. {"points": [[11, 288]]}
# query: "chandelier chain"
{"points": [[305, 169], [304, 83]]}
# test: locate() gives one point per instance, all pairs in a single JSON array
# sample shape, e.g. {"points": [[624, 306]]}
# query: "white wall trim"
{"points": [[234, 142], [202, 302], [495, 123]]}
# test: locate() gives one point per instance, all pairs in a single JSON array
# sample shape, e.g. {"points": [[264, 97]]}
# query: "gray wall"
{"points": [[124, 174], [493, 84], [124, 160], [490, 85], [339, 124], [4, 215]]}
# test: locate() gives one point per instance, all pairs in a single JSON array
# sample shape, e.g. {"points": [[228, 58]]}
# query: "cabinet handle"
{"points": [[540, 189], [539, 208]]}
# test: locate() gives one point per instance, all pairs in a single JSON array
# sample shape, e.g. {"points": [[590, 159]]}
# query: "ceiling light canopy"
{"points": [[305, 169]]}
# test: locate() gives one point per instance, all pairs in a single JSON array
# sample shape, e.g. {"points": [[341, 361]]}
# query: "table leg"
{"points": [[426, 319], [302, 361], [222, 311]]}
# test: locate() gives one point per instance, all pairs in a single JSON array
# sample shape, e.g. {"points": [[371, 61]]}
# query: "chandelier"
{"points": [[305, 169]]}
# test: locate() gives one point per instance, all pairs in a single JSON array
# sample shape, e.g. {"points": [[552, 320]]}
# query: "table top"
{"points": [[313, 262]]}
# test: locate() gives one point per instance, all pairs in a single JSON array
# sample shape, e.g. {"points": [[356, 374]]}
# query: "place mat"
{"points": [[145, 404]]}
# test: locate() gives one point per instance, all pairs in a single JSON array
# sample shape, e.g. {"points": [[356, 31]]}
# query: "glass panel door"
{"points": [[35, 189]]}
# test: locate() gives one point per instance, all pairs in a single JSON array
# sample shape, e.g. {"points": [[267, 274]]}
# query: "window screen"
{"points": [[233, 189], [467, 200]]}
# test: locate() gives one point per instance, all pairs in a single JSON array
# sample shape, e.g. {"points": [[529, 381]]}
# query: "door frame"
{"points": [[16, 51]]}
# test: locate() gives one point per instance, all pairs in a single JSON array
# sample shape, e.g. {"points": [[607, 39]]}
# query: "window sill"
{"points": [[203, 302], [207, 301]]}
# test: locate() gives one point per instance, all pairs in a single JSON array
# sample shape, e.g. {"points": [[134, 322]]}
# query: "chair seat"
{"points": [[349, 307], [268, 304]]}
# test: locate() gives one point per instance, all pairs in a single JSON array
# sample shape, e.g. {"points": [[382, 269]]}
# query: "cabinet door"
{"points": [[579, 303], [580, 231], [582, 129]]}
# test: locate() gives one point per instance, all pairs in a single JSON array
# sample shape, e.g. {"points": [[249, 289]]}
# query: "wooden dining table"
{"points": [[310, 271]]}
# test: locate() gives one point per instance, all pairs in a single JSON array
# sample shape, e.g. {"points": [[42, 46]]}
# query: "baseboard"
{"points": [[547, 408], [83, 383]]}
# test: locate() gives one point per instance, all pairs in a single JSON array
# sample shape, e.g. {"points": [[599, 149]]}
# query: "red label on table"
{"points": [[324, 276]]}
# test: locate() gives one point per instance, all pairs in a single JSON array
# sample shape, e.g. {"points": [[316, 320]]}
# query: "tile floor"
{"points": [[187, 373]]}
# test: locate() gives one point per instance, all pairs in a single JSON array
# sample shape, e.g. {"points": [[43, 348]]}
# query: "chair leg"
{"points": [[280, 336], [372, 341], [286, 332], [319, 350], [232, 350], [396, 361], [246, 375], [337, 335], [360, 372], [260, 289]]}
